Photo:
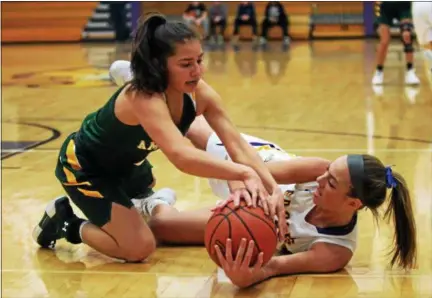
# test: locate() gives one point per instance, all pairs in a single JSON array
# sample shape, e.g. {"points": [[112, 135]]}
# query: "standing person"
{"points": [[387, 11]]}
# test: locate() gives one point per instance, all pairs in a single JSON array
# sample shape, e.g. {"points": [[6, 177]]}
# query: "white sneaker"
{"points": [[378, 78], [411, 78], [120, 72], [146, 205]]}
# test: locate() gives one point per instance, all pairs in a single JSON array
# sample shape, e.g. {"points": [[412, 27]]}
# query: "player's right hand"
{"points": [[256, 188]]}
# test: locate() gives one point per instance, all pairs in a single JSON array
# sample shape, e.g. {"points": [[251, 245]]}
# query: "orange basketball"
{"points": [[236, 224]]}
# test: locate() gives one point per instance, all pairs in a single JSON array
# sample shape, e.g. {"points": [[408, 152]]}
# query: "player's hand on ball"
{"points": [[277, 208], [239, 270], [236, 196], [256, 188], [240, 194]]}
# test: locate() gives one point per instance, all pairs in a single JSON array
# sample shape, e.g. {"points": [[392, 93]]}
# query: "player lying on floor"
{"points": [[322, 200]]}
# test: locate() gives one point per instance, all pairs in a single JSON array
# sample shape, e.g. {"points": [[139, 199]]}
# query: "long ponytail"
{"points": [[376, 181], [404, 252]]}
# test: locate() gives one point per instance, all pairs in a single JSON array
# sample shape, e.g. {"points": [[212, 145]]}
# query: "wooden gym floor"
{"points": [[314, 100]]}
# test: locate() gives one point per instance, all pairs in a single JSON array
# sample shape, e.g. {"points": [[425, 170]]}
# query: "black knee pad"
{"points": [[407, 27]]}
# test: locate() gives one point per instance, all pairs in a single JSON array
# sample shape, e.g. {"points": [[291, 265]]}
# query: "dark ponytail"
{"points": [[400, 209], [376, 181], [154, 42]]}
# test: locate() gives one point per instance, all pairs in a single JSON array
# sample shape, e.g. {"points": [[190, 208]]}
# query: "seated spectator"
{"points": [[245, 16], [196, 13], [275, 16], [218, 18]]}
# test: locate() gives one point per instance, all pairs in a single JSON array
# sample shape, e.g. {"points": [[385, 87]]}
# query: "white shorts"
{"points": [[268, 151], [422, 21]]}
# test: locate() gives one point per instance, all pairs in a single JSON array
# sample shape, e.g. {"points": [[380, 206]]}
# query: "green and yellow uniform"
{"points": [[386, 11], [105, 161]]}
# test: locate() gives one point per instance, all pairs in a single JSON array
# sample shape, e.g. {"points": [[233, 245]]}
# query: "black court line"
{"points": [[296, 130], [10, 168], [55, 135], [350, 134]]}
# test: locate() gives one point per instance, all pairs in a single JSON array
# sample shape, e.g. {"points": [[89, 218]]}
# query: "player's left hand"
{"points": [[239, 270]]}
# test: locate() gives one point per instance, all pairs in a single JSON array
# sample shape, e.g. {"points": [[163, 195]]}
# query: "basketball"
{"points": [[245, 222]]}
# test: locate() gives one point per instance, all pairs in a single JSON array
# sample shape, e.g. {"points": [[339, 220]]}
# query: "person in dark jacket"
{"points": [[275, 16], [218, 18], [245, 16]]}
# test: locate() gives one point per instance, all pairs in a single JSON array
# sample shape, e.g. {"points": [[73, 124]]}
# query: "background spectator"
{"points": [[196, 13]]}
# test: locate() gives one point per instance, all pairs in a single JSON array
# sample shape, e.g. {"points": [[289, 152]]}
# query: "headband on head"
{"points": [[356, 170]]}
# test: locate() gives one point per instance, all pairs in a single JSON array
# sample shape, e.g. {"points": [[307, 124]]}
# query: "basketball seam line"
{"points": [[247, 228], [215, 228], [254, 215]]}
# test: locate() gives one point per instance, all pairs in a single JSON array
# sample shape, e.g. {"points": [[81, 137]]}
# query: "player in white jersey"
{"points": [[298, 196], [422, 19], [322, 198]]}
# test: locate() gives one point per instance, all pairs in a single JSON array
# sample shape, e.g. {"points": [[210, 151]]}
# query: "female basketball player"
{"points": [[387, 11], [422, 18], [322, 199], [103, 165]]}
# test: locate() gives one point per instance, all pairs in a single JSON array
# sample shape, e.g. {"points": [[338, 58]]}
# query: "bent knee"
{"points": [[140, 250], [406, 37]]}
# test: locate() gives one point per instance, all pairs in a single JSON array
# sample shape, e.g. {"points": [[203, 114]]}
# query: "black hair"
{"points": [[154, 42], [373, 195]]}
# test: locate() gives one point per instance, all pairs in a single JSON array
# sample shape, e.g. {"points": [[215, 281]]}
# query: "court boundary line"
{"points": [[55, 135], [296, 130], [93, 272]]}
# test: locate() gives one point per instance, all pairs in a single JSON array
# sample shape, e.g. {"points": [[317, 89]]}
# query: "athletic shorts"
{"points": [[94, 192]]}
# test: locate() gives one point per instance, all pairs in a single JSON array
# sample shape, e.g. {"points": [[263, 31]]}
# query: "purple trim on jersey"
{"points": [[257, 144], [339, 231]]}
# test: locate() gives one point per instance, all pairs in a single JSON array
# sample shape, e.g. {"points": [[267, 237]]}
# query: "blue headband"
{"points": [[356, 170]]}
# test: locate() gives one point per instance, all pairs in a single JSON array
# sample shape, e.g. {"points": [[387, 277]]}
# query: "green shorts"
{"points": [[389, 10], [94, 193]]}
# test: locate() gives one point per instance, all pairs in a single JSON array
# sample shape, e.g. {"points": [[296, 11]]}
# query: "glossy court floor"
{"points": [[314, 100]]}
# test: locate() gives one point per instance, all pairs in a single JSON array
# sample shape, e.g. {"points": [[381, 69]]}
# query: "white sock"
{"points": [[150, 204], [146, 205], [81, 227]]}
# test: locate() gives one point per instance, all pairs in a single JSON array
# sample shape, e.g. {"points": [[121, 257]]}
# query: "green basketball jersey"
{"points": [[105, 143]]}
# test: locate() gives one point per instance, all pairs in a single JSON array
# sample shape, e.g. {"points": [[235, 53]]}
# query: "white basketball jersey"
{"points": [[302, 235], [298, 200]]}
